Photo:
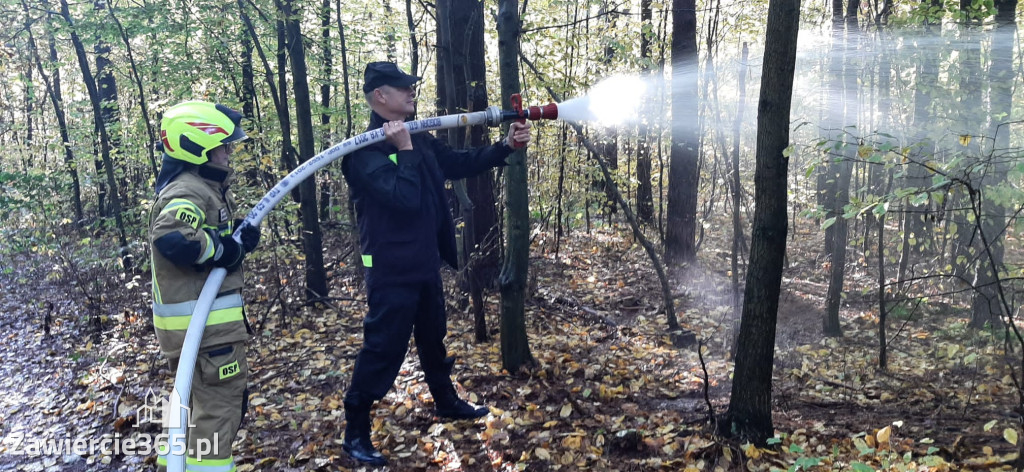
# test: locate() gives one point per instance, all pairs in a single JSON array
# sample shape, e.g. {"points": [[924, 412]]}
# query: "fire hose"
{"points": [[178, 412]]}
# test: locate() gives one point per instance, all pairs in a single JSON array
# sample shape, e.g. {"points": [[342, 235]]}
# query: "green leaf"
{"points": [[773, 440], [861, 467], [991, 424], [793, 447], [829, 222], [1010, 435]]}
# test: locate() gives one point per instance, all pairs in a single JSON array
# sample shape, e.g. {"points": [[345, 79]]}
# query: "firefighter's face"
{"points": [[398, 102], [221, 155]]}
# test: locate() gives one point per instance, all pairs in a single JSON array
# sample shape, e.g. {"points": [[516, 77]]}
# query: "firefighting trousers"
{"points": [[396, 312], [217, 405]]}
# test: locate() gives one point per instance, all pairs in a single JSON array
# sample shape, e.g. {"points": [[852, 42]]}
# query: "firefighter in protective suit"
{"points": [[190, 233]]}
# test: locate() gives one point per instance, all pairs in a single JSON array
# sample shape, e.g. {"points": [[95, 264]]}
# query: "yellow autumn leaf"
{"points": [[566, 411], [751, 451], [864, 151], [542, 453], [1010, 435], [965, 139], [883, 435]]}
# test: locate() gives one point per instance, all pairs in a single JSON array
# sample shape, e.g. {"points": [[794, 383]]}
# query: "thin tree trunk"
{"points": [[737, 222], [683, 180], [53, 90], [414, 46], [515, 347], [749, 416], [991, 220], [94, 97], [326, 189], [312, 240], [389, 37], [851, 69], [143, 106], [288, 159]]}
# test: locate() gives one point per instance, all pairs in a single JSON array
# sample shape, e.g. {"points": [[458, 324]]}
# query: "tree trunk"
{"points": [[288, 162], [389, 38], [737, 223], [683, 179], [916, 233], [609, 144], [750, 416], [143, 106], [312, 241], [326, 189], [414, 46], [53, 90], [248, 97], [106, 86], [515, 347], [644, 190], [844, 171], [355, 260], [987, 308], [94, 98], [462, 76]]}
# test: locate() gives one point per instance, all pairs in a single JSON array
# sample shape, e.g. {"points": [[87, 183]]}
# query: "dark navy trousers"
{"points": [[397, 311]]}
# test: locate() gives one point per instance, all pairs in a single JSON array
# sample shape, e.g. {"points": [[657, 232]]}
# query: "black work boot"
{"points": [[448, 405], [459, 409], [357, 436]]}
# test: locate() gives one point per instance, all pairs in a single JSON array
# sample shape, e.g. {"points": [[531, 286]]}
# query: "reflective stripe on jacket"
{"points": [[188, 206]]}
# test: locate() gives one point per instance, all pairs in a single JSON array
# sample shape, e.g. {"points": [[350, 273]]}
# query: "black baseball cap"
{"points": [[386, 73]]}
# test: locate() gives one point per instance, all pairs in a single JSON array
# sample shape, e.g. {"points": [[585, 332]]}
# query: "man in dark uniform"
{"points": [[405, 231]]}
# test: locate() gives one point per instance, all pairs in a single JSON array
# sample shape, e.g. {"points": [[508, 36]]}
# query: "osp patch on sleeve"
{"points": [[187, 216], [229, 370]]}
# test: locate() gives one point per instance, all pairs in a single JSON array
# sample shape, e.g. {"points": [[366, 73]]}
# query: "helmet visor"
{"points": [[238, 134]]}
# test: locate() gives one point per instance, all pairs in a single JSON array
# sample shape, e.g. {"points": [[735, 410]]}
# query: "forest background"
{"points": [[717, 282]]}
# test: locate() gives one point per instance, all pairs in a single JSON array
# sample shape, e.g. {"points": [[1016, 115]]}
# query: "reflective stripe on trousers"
{"points": [[176, 316]]}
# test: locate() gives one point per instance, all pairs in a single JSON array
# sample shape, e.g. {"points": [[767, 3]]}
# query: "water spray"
{"points": [[178, 412]]}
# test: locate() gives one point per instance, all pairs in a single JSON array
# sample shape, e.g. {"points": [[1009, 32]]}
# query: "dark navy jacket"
{"points": [[405, 225]]}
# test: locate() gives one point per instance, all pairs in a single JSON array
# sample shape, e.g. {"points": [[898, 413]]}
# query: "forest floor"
{"points": [[610, 391]]}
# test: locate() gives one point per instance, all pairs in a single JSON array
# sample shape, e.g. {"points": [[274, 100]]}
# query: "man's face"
{"points": [[400, 102], [221, 155]]}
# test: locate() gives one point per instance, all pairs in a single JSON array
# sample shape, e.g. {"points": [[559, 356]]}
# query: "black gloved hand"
{"points": [[227, 253], [250, 235]]}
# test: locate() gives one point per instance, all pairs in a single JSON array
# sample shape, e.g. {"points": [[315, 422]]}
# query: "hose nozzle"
{"points": [[534, 113], [497, 116]]}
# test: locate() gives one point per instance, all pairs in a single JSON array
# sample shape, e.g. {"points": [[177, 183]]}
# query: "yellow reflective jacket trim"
{"points": [[210, 249], [156, 287], [209, 465], [176, 316], [185, 211], [394, 158], [367, 260], [201, 465]]}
